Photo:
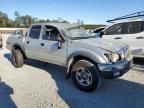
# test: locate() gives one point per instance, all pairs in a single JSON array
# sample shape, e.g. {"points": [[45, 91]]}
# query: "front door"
{"points": [[49, 50]]}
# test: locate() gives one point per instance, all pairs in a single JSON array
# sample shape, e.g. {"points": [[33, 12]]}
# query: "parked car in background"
{"points": [[20, 32], [87, 59], [97, 31], [129, 32]]}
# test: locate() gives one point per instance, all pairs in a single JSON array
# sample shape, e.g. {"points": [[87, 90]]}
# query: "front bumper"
{"points": [[114, 70]]}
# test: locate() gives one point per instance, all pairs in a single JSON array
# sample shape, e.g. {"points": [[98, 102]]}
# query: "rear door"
{"points": [[134, 36], [32, 42]]}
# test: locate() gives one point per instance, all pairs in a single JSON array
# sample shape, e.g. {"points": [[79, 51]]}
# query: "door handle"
{"points": [[42, 44], [140, 37], [118, 38], [28, 42]]}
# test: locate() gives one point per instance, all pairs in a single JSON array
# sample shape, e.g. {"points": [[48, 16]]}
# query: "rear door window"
{"points": [[142, 25], [135, 27], [125, 28], [35, 32]]}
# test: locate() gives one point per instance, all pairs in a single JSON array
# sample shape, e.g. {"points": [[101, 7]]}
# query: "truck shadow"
{"points": [[113, 93], [138, 64], [117, 93], [5, 98], [8, 57]]}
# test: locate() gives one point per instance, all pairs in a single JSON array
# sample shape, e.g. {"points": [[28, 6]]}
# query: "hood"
{"points": [[109, 45]]}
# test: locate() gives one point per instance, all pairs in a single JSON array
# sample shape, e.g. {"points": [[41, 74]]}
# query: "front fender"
{"points": [[18, 45], [92, 56]]}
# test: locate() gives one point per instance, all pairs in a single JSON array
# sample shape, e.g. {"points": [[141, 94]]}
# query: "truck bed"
{"points": [[17, 40]]}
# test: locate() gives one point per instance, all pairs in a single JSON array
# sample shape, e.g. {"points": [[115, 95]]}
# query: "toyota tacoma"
{"points": [[87, 59]]}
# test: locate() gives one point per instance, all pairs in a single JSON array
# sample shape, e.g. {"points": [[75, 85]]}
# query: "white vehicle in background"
{"points": [[18, 32], [130, 32]]}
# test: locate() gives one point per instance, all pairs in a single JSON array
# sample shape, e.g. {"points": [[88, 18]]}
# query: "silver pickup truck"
{"points": [[87, 59]]}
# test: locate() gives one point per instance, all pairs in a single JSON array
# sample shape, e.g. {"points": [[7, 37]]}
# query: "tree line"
{"points": [[25, 21]]}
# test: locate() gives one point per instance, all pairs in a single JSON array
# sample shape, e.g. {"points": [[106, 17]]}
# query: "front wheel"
{"points": [[85, 75]]}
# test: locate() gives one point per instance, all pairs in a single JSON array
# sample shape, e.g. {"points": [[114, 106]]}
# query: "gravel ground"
{"points": [[42, 85]]}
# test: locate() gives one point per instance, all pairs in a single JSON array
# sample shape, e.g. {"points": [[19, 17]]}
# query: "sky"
{"points": [[90, 11]]}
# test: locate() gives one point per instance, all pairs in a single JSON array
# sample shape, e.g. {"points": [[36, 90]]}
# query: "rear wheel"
{"points": [[85, 75], [17, 58]]}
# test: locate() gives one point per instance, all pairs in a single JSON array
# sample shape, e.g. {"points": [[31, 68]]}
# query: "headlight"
{"points": [[112, 57]]}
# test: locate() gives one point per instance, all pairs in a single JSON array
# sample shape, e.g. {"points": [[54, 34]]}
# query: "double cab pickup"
{"points": [[88, 60]]}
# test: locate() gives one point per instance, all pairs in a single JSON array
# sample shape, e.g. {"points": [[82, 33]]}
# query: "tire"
{"points": [[85, 75], [17, 58]]}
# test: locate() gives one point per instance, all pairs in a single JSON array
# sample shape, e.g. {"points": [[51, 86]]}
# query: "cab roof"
{"points": [[59, 25]]}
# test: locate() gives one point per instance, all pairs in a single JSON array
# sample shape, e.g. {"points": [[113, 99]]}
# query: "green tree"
{"points": [[3, 19], [18, 19], [48, 21], [27, 20]]}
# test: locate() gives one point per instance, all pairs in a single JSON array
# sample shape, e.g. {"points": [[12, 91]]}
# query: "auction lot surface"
{"points": [[42, 85]]}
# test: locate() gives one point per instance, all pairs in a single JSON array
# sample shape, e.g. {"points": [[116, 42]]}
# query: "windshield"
{"points": [[77, 33]]}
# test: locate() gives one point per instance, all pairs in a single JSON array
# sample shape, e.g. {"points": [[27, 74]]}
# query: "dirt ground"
{"points": [[43, 85]]}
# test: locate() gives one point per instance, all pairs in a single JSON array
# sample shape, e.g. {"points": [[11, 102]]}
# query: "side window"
{"points": [[125, 28], [142, 25], [51, 33], [135, 27], [114, 30], [35, 32]]}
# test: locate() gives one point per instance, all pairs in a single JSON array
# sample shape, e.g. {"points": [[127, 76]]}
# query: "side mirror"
{"points": [[101, 34], [59, 44]]}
